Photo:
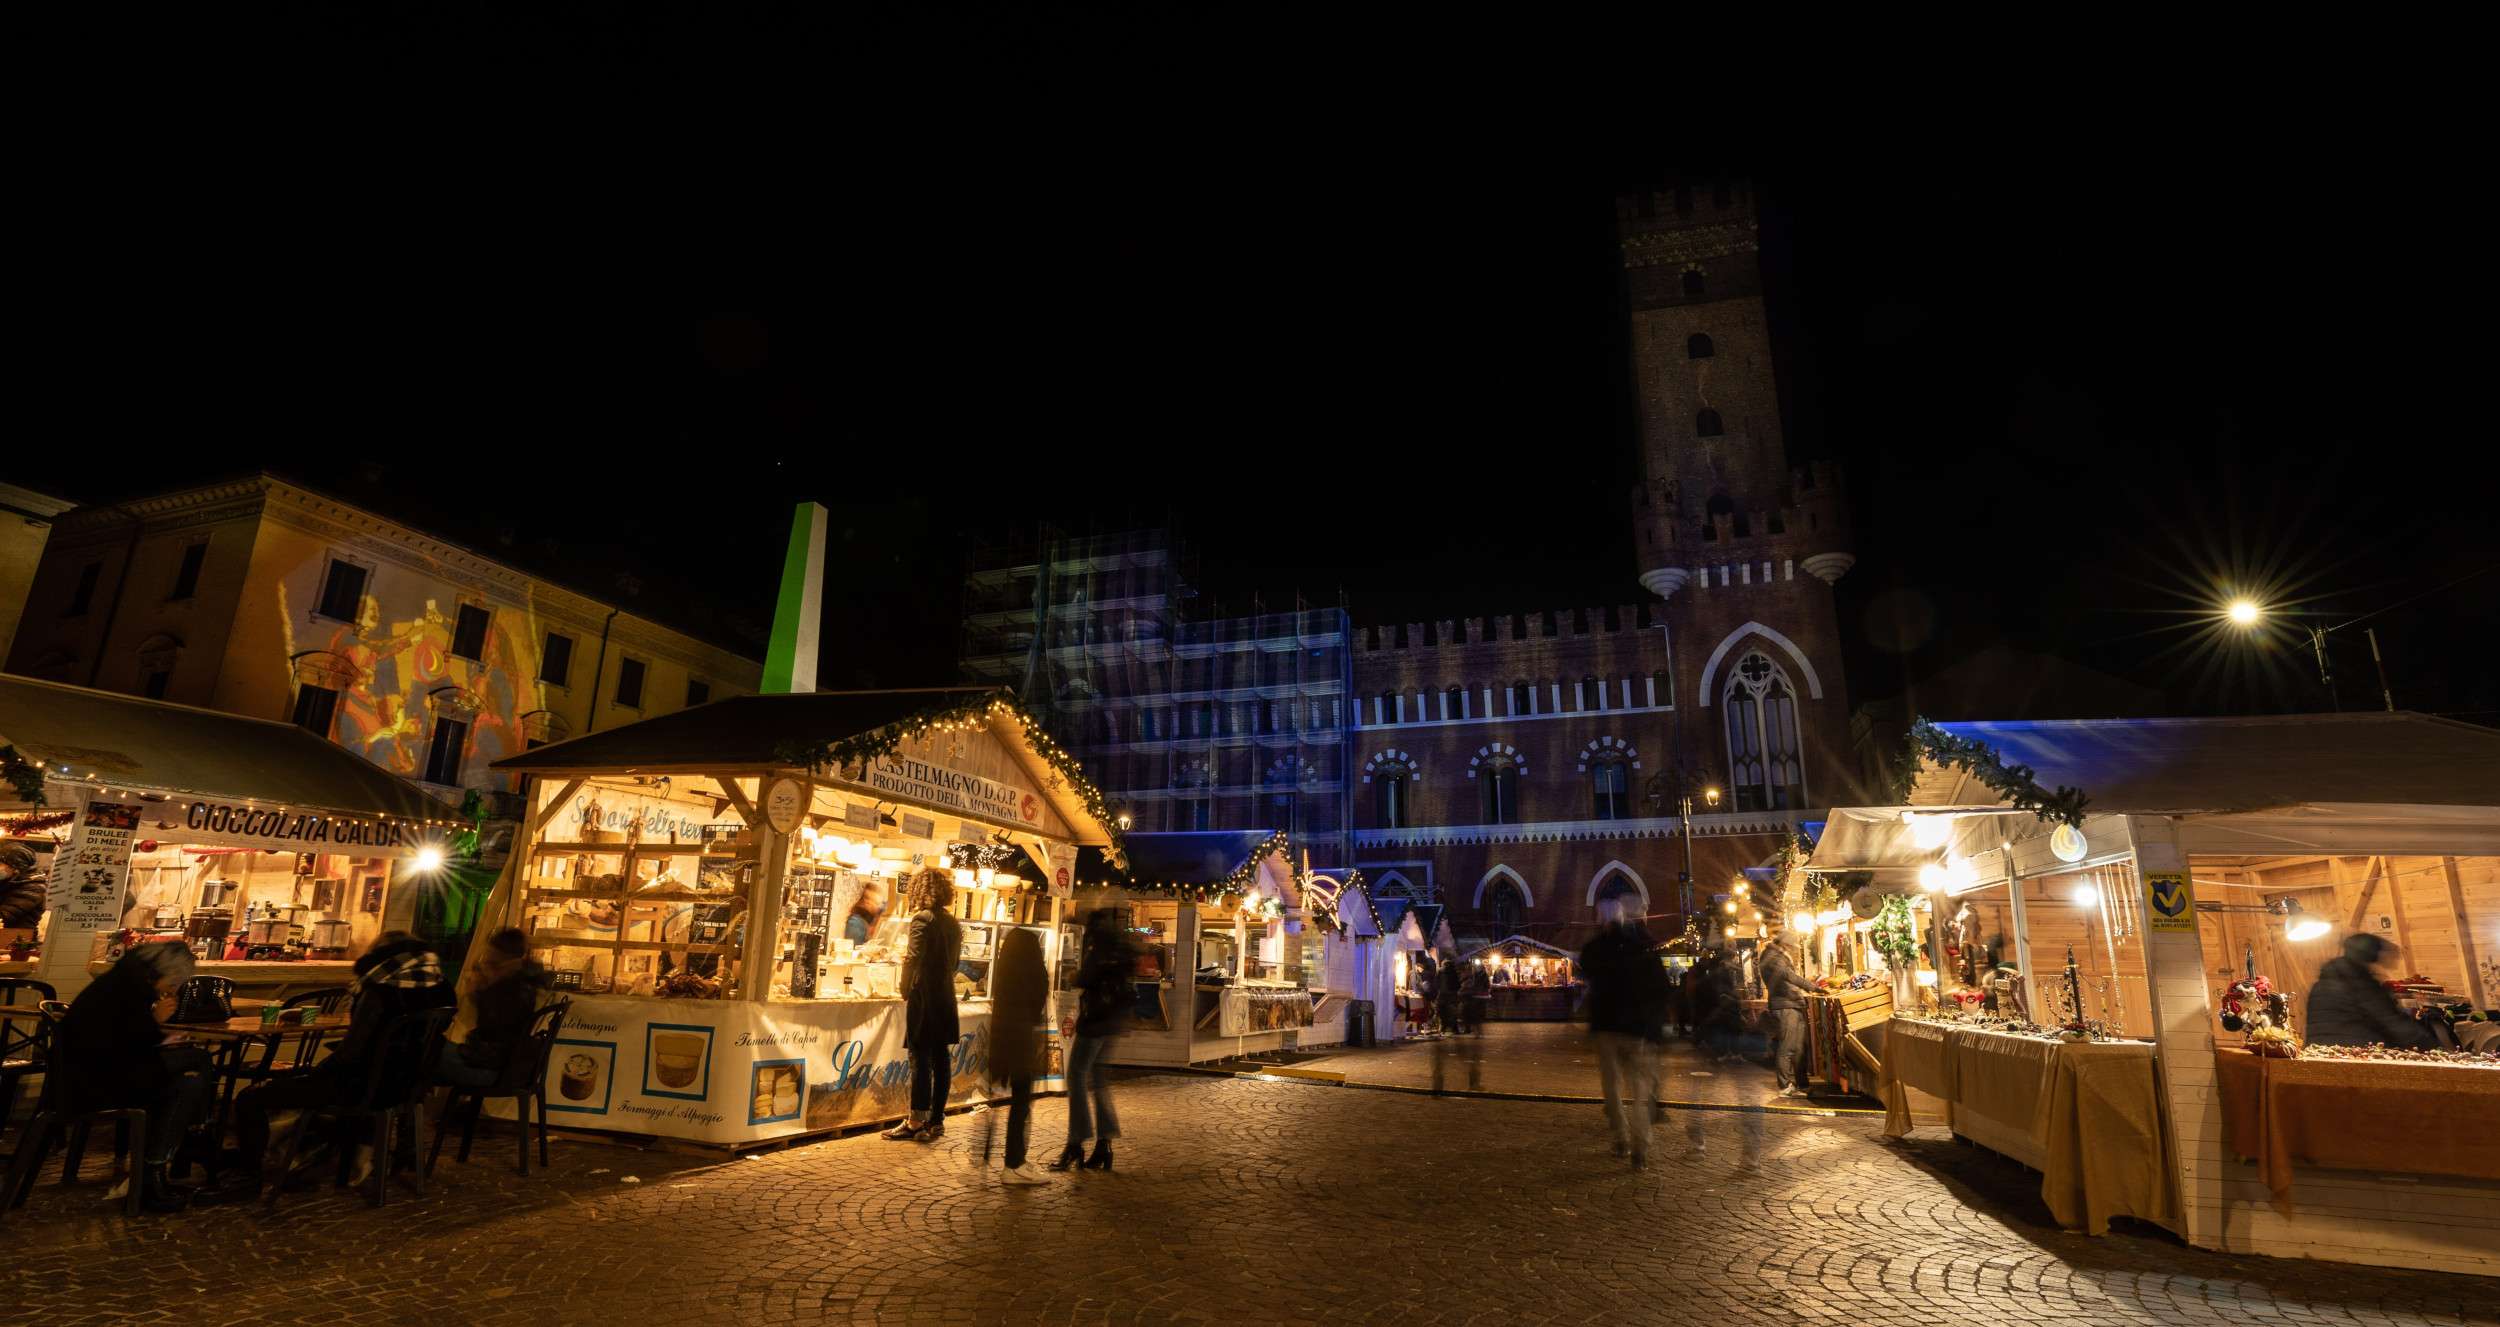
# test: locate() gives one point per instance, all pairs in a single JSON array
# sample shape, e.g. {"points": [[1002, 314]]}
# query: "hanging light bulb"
{"points": [[1929, 832], [1931, 878]]}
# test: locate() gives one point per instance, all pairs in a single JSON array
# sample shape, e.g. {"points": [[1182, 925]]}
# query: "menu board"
{"points": [[93, 871]]}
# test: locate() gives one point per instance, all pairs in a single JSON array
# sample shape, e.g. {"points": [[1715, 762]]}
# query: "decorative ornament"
{"points": [[1895, 932]]}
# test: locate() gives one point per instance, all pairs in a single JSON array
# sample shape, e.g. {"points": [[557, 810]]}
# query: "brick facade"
{"points": [[1741, 551]]}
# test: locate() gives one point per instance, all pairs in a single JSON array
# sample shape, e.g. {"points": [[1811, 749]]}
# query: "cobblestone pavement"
{"points": [[1235, 1201], [1553, 1060]]}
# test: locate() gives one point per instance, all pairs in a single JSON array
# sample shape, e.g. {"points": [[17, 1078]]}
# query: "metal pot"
{"points": [[330, 934], [267, 931]]}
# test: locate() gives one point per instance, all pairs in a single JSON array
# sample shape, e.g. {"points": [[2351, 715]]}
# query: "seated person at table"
{"points": [[400, 975], [2348, 1006], [113, 1052], [500, 1003]]}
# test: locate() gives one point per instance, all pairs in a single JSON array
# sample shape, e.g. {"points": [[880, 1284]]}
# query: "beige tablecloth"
{"points": [[2093, 1109], [2403, 1119]]}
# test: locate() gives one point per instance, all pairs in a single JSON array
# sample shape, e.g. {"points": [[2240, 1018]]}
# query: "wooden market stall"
{"points": [[276, 856], [1233, 964], [2197, 857], [721, 891], [1532, 981]]}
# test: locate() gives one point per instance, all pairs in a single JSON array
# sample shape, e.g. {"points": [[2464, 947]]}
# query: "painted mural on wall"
{"points": [[395, 677]]}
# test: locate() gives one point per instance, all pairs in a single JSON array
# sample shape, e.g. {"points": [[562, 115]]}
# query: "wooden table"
{"points": [[233, 1040]]}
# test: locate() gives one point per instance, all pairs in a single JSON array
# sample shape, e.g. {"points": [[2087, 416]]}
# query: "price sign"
{"points": [[93, 870]]}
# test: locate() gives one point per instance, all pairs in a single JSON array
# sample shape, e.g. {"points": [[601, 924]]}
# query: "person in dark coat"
{"points": [[1627, 1009], [930, 1031], [398, 977], [1447, 996], [1106, 991], [2348, 1006], [1479, 989], [1787, 994], [1019, 1000], [502, 1002], [112, 1052], [1725, 990]]}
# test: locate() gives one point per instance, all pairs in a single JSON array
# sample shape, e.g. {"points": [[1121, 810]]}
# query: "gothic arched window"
{"points": [[1762, 754], [1706, 424], [1692, 285], [1610, 784], [1507, 906], [1499, 780], [1697, 346], [1618, 885]]}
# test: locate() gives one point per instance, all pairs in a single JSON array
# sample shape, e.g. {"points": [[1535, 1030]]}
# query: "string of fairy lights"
{"points": [[959, 717], [1217, 893]]}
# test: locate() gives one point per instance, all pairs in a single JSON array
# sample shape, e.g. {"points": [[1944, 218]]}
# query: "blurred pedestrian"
{"points": [[1106, 992], [1786, 992], [930, 1030], [1628, 1019], [398, 977], [1019, 999], [504, 984], [1447, 996], [1479, 997]]}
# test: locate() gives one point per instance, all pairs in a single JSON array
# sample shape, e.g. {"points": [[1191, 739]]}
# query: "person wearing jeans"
{"points": [[930, 1027], [1106, 992]]}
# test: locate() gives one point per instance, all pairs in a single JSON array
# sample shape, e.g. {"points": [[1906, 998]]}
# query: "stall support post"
{"points": [[2183, 1043], [2022, 929], [761, 951]]}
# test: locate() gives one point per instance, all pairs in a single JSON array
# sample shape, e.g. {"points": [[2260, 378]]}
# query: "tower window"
{"points": [[1499, 780], [1592, 693], [1697, 346], [1389, 805], [1507, 907], [1454, 703], [1706, 424], [1522, 697], [1692, 285]]}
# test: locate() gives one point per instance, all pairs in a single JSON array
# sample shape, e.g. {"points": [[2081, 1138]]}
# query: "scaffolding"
{"points": [[1227, 723]]}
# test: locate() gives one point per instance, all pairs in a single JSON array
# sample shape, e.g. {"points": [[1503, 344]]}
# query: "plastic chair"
{"points": [[524, 1079], [54, 1115], [394, 1084], [23, 1045]]}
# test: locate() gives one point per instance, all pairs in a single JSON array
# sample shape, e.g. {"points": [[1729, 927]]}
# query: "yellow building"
{"points": [[25, 524], [261, 598]]}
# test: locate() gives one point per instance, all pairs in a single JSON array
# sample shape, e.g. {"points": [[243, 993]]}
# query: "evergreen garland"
{"points": [[1926, 742], [1210, 891], [1895, 932], [857, 750], [25, 777]]}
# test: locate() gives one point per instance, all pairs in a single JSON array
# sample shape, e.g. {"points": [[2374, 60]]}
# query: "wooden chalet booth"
{"points": [[276, 856], [720, 890], [1533, 982], [1232, 963], [2180, 861]]}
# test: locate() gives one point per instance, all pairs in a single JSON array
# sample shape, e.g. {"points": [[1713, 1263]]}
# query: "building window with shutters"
{"points": [[442, 759], [555, 662], [468, 633], [342, 591], [629, 675]]}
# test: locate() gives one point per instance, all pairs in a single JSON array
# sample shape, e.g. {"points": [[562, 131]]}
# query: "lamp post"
{"points": [[2246, 614], [1684, 781]]}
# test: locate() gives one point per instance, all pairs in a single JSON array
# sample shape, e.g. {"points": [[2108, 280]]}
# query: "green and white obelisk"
{"points": [[790, 661]]}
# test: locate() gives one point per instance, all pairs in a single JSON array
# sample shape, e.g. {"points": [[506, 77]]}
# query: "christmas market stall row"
{"points": [[276, 856], [1232, 962], [2234, 977], [723, 892]]}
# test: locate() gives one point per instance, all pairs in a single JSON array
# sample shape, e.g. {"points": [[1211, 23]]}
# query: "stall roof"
{"points": [[1204, 857], [2191, 767], [750, 733], [2258, 763], [1525, 942], [133, 742]]}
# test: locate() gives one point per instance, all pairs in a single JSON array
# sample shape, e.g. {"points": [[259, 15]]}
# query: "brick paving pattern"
{"points": [[1236, 1201], [1555, 1060]]}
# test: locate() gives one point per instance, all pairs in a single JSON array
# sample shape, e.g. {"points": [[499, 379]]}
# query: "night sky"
{"points": [[2076, 402]]}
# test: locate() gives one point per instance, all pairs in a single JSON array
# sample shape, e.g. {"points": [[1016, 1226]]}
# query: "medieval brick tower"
{"points": [[1742, 547]]}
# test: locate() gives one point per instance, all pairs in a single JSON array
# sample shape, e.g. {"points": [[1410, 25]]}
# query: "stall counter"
{"points": [[269, 981], [731, 1073]]}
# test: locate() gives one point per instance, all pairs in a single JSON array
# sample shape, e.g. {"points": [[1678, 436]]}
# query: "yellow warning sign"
{"points": [[2169, 900]]}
